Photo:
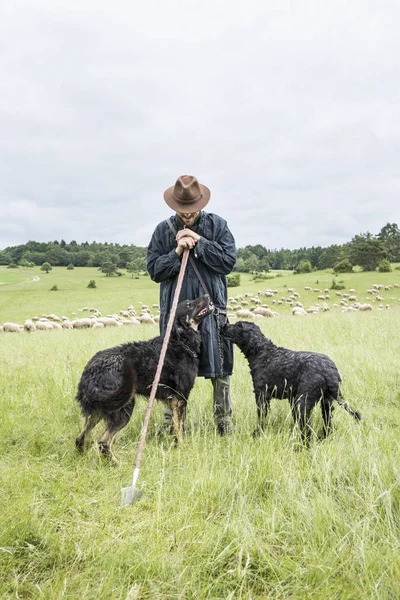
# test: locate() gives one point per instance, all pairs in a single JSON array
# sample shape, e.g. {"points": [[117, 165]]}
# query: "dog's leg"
{"points": [[303, 407], [326, 410], [178, 414], [115, 422], [90, 422], [262, 401]]}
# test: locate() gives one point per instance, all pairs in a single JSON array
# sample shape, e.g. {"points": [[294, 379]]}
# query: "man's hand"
{"points": [[187, 233], [183, 243], [186, 238]]}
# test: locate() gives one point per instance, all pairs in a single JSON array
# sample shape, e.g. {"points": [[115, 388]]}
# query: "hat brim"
{"points": [[186, 207]]}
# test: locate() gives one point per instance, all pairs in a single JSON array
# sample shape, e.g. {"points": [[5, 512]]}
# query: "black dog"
{"points": [[302, 377], [113, 377]]}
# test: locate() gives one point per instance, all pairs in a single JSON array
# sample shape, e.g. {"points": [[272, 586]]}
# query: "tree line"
{"points": [[366, 250]]}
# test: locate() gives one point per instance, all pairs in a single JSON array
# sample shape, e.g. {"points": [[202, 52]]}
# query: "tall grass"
{"points": [[220, 518]]}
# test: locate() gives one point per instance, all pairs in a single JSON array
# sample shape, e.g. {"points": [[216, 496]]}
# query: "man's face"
{"points": [[188, 218]]}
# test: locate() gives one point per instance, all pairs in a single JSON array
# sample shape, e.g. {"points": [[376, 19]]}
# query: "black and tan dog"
{"points": [[305, 378], [113, 377]]}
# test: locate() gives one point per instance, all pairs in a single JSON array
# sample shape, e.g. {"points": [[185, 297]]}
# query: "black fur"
{"points": [[304, 378], [113, 377]]}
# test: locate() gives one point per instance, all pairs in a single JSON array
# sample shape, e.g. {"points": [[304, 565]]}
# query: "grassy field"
{"points": [[220, 518], [27, 293]]}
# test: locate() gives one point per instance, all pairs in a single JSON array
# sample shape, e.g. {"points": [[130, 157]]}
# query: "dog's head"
{"points": [[192, 312], [243, 333]]}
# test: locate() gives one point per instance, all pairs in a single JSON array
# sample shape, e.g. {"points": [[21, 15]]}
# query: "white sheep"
{"points": [[298, 311], [44, 325], [365, 307], [244, 314], [108, 321], [11, 327], [146, 319], [265, 312], [29, 325], [85, 323], [54, 318]]}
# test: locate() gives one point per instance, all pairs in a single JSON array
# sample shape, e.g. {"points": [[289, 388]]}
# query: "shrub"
{"points": [[344, 266], [384, 266], [303, 267], [70, 267], [233, 280], [46, 266], [397, 268], [12, 266], [54, 288], [261, 275], [337, 285], [92, 284]]}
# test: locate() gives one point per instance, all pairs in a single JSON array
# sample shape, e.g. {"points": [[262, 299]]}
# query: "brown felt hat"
{"points": [[187, 195]]}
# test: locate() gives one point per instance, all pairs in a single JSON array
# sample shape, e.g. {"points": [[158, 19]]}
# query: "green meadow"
{"points": [[220, 518]]}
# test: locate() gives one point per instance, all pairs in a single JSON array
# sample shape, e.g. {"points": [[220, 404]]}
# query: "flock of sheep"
{"points": [[248, 306], [252, 307], [94, 321]]}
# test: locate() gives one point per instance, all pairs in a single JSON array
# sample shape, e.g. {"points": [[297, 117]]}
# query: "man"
{"points": [[212, 257]]}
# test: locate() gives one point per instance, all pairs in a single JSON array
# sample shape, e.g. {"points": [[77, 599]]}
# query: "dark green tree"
{"points": [[252, 263], [389, 235], [366, 251], [330, 257], [109, 268], [5, 257]]}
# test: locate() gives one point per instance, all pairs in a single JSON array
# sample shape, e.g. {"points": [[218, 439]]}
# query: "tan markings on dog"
{"points": [[177, 418], [192, 323], [106, 442], [90, 422]]}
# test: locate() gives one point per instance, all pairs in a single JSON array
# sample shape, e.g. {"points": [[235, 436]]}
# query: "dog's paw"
{"points": [[258, 432], [108, 455], [79, 445]]}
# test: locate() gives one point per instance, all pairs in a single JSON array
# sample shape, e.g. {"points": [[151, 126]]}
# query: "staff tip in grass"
{"points": [[131, 494]]}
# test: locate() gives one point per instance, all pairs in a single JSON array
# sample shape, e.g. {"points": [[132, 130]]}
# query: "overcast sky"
{"points": [[288, 111]]}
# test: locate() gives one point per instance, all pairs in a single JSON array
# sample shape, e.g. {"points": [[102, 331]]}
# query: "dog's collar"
{"points": [[194, 354]]}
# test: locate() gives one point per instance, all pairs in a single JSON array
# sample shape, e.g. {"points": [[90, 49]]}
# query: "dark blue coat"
{"points": [[215, 256]]}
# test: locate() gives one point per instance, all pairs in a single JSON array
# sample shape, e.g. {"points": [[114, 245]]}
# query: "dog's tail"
{"points": [[342, 402], [112, 401]]}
